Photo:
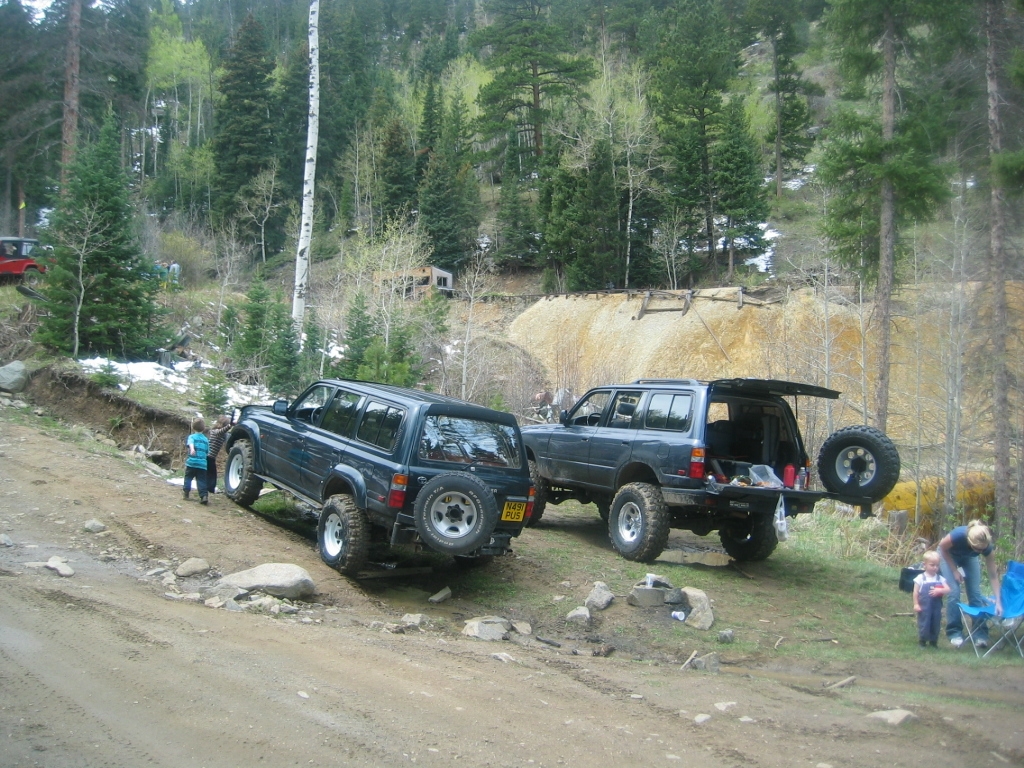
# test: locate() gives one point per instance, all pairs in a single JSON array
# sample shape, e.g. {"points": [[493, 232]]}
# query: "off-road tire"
{"points": [[241, 484], [540, 498], [31, 277], [455, 513], [343, 535], [751, 539], [859, 461], [604, 507], [638, 522]]}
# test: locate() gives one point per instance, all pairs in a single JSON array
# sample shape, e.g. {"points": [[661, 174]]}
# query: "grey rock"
{"points": [[579, 615], [414, 619], [61, 567], [264, 603], [726, 636], [14, 377], [701, 719], [674, 596], [522, 627], [278, 579], [168, 579], [646, 597], [94, 526], [502, 657], [224, 592], [699, 614], [487, 628], [6, 540], [231, 605], [192, 567], [893, 716], [709, 662], [724, 706], [654, 580], [600, 597], [441, 596]]}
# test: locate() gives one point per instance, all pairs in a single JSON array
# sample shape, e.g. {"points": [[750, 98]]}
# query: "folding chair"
{"points": [[1012, 621]]}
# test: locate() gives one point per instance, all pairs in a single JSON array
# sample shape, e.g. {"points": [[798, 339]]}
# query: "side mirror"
{"points": [[280, 407], [563, 418]]}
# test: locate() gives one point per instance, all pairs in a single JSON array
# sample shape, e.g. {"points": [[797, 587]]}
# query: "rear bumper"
{"points": [[751, 498]]}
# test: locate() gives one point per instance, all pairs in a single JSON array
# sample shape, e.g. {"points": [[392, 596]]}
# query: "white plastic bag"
{"points": [[781, 523], [764, 476]]}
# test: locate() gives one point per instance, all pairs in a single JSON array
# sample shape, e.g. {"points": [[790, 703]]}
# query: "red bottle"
{"points": [[788, 475]]}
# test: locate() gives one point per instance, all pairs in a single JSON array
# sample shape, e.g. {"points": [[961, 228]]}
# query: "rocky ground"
{"points": [[122, 662]]}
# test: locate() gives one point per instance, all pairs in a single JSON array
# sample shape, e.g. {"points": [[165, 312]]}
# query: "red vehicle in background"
{"points": [[16, 261]]}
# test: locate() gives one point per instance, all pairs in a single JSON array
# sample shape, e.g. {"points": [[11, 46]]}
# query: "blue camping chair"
{"points": [[1011, 591]]}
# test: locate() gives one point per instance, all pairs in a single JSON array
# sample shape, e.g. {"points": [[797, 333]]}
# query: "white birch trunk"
{"points": [[309, 177]]}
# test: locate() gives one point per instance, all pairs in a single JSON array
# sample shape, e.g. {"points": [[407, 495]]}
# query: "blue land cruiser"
{"points": [[657, 454], [409, 465]]}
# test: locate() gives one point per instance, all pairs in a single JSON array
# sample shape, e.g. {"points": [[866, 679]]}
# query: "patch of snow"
{"points": [[173, 378]]}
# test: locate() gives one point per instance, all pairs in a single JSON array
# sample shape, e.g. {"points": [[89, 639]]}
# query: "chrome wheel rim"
{"points": [[631, 519], [453, 515], [856, 461]]}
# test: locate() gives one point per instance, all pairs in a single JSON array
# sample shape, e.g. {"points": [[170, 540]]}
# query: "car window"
{"points": [[341, 414], [309, 407], [589, 410], [623, 408], [380, 425], [670, 411], [457, 440]]}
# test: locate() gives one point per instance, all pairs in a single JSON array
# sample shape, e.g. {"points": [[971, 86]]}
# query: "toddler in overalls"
{"points": [[929, 589]]}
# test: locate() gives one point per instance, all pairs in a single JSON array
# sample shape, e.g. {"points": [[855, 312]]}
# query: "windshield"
{"points": [[458, 440]]}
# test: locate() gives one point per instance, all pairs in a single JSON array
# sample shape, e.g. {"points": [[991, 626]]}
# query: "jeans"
{"points": [[200, 478], [972, 582]]}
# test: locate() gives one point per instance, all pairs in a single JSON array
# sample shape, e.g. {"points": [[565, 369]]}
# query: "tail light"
{"points": [[529, 503], [396, 496], [697, 463]]}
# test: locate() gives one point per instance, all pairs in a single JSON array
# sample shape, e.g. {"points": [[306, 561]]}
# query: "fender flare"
{"points": [[251, 432], [344, 478]]}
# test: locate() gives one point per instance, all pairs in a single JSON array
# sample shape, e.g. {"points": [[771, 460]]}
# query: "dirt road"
{"points": [[101, 669]]}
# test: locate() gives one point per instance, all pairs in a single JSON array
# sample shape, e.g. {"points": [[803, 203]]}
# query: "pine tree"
{"points": [[284, 367], [253, 342], [532, 62], [598, 262], [244, 143], [738, 181], [359, 334], [101, 290], [517, 245], [430, 127], [397, 171]]}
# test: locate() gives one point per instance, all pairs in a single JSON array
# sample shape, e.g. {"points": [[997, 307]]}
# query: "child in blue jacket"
{"points": [[195, 463]]}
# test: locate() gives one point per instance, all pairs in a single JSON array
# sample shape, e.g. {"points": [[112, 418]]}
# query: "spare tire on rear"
{"points": [[859, 461], [455, 513]]}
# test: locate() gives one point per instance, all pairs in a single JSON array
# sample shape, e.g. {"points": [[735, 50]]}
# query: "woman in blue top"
{"points": [[961, 548]]}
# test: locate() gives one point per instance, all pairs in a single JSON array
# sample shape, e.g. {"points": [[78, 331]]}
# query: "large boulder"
{"points": [[278, 579], [698, 613], [13, 377]]}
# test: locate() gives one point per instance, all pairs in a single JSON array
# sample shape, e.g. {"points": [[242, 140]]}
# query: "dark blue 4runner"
{"points": [[413, 467], [657, 454]]}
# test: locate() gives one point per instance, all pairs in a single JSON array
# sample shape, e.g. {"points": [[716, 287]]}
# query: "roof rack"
{"points": [[691, 382]]}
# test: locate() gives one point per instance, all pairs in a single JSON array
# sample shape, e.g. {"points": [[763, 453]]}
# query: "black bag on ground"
{"points": [[907, 576]]}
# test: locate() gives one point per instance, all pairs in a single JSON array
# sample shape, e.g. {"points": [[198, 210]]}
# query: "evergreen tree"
{"points": [[382, 366], [253, 341], [359, 334], [693, 62], [284, 367], [517, 244], [598, 262], [430, 127], [312, 348], [532, 62], [397, 171], [738, 180], [244, 143], [101, 290]]}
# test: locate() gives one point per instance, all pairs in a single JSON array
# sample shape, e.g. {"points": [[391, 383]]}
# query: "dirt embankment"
{"points": [[77, 400]]}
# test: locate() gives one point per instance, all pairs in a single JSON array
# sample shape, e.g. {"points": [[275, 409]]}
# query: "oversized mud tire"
{"points": [[751, 539], [540, 498], [604, 507], [859, 461], [455, 513], [638, 522], [241, 484], [343, 535], [32, 277]]}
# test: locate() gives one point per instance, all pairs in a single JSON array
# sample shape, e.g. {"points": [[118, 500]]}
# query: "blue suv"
{"points": [[406, 465]]}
